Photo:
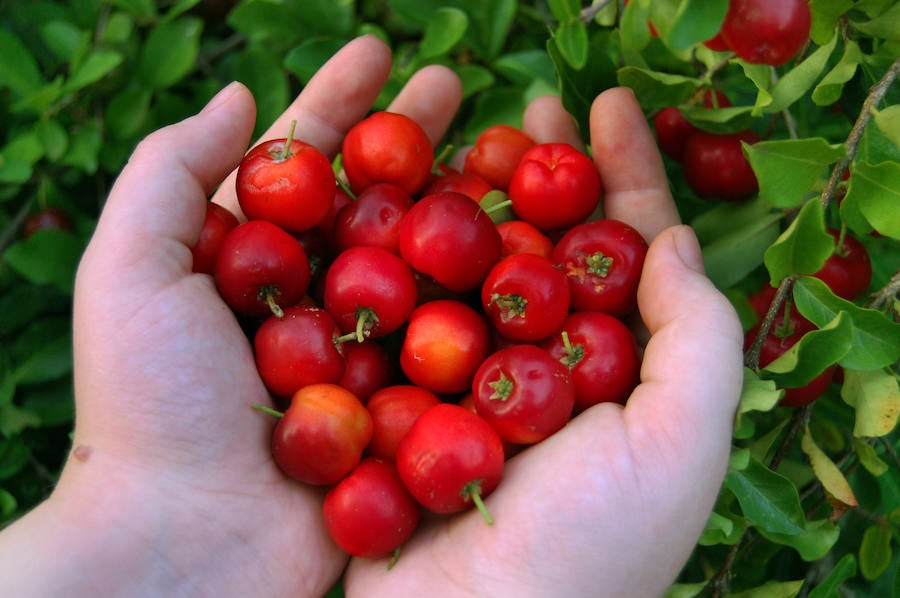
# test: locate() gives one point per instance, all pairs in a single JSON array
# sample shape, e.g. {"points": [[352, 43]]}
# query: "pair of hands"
{"points": [[171, 489]]}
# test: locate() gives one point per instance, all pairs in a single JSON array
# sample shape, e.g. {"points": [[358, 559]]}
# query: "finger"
{"points": [[338, 96], [157, 205], [546, 121], [692, 367], [431, 97], [636, 189]]}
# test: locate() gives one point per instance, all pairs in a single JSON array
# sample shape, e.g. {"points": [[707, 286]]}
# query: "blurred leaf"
{"points": [[119, 28], [65, 40], [170, 52], [8, 504], [869, 458], [305, 59], [844, 569], [656, 90], [179, 8], [695, 21], [47, 257], [875, 552], [53, 360], [525, 66], [474, 79], [84, 146], [875, 395], [838, 491], [719, 120], [53, 402], [815, 352], [733, 255], [787, 169], [772, 589], [97, 65], [803, 247], [13, 170], [876, 339], [262, 20], [794, 84], [872, 192], [142, 10], [127, 111], [564, 10], [884, 26], [768, 499], [571, 40], [831, 87], [19, 70], [14, 419], [14, 456], [825, 15], [445, 30], [634, 31], [261, 71], [53, 137]]}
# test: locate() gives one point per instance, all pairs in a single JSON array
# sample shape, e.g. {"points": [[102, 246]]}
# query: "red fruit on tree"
{"points": [[848, 271], [767, 32], [715, 166]]}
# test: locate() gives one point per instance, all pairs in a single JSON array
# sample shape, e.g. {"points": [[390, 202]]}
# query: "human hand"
{"points": [[615, 501]]}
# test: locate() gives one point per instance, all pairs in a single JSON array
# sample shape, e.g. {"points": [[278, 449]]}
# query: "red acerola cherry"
{"points": [[716, 168], [765, 31]]}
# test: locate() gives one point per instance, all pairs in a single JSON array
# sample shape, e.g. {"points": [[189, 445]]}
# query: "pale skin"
{"points": [[170, 488]]}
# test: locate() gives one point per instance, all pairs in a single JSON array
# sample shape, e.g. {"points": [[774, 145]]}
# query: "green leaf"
{"points": [[731, 256], [815, 352], [141, 10], [721, 529], [8, 504], [19, 71], [831, 87], [65, 40], [474, 79], [656, 90], [837, 489], [787, 169], [53, 137], [170, 52], [14, 456], [119, 28], [844, 569], [261, 71], [803, 248], [634, 31], [14, 170], [310, 55], [695, 21], [14, 419], [884, 26], [47, 257], [825, 15], [888, 120], [84, 146], [572, 41], [815, 542], [179, 8], [53, 360], [264, 20], [445, 30], [795, 83], [876, 339], [875, 552], [869, 458], [97, 65], [526, 66], [768, 499], [875, 395], [758, 394], [875, 190], [564, 10], [718, 120], [772, 589], [127, 111]]}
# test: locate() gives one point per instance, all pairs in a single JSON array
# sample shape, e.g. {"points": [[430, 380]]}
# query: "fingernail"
{"points": [[688, 248], [221, 98]]}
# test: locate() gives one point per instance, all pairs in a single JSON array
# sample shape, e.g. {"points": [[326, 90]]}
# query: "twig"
{"points": [[751, 358], [876, 94], [587, 14]]}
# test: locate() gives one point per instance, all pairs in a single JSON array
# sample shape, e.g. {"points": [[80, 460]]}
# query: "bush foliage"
{"points": [[811, 502]]}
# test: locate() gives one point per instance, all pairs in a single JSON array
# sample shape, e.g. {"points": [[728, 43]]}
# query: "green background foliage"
{"points": [[811, 503]]}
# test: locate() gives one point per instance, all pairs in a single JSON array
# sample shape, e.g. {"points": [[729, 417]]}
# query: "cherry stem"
{"points": [[394, 558], [441, 157], [346, 187], [473, 491], [270, 294], [573, 353], [286, 150], [267, 410], [350, 336], [496, 207]]}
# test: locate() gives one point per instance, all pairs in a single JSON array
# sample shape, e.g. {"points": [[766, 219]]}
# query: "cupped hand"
{"points": [[164, 375], [612, 504]]}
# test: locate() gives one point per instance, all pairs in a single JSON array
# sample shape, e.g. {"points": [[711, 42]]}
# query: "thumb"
{"points": [[156, 207]]}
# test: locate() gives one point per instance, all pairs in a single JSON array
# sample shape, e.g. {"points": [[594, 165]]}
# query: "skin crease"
{"points": [[171, 490]]}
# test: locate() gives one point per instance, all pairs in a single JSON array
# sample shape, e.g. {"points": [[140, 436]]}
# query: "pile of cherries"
{"points": [[421, 324]]}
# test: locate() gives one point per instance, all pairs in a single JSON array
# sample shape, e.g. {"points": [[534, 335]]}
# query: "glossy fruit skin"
{"points": [[602, 260], [394, 409], [216, 225], [370, 513], [496, 154], [387, 147], [444, 344], [370, 282], [555, 186], [449, 453], [517, 236], [257, 257], [524, 393], [373, 218], [525, 297], [298, 349], [673, 130], [848, 272], [766, 32], [448, 237], [715, 166], [369, 368], [322, 435], [603, 358], [295, 192], [467, 183], [776, 343]]}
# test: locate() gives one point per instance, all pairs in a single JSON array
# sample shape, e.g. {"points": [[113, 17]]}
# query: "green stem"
{"points": [[286, 150], [267, 410]]}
